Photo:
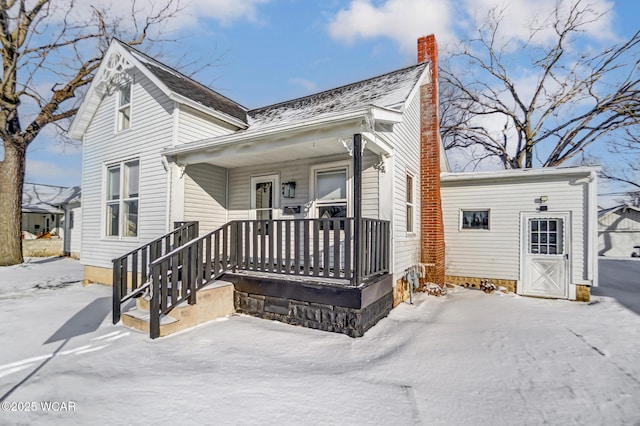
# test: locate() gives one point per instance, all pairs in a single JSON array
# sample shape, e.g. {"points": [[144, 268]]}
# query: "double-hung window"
{"points": [[122, 199], [410, 204], [124, 107], [331, 193]]}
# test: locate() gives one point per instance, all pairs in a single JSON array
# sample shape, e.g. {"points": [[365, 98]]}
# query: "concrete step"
{"points": [[213, 301]]}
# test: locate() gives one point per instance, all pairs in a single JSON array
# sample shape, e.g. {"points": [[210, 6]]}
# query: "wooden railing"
{"points": [[304, 247], [131, 271]]}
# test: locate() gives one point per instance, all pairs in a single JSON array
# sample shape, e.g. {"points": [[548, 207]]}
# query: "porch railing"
{"points": [[132, 271], [303, 247]]}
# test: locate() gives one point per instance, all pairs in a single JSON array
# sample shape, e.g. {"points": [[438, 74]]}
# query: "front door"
{"points": [[545, 244], [264, 197]]}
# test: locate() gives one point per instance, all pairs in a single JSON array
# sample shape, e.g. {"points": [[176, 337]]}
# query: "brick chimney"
{"points": [[432, 230]]}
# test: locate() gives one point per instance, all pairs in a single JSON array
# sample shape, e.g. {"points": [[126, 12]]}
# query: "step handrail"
{"points": [[132, 270]]}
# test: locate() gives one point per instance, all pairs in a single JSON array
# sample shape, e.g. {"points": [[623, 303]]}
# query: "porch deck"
{"points": [[330, 274]]}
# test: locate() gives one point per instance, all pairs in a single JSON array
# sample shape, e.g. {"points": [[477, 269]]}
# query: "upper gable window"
{"points": [[124, 107]]}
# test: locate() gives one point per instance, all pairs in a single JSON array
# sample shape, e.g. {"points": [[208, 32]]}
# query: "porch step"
{"points": [[213, 301]]}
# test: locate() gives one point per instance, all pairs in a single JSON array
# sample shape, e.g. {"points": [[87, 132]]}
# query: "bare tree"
{"points": [[45, 41], [573, 97]]}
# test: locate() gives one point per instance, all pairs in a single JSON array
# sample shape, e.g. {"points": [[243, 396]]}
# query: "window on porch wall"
{"points": [[331, 193]]}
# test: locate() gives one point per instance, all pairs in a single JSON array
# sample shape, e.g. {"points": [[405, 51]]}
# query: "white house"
{"points": [[51, 211], [619, 231], [532, 231], [318, 211]]}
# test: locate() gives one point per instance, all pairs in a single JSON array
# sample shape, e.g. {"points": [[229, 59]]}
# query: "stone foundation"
{"points": [[349, 321], [474, 282], [583, 293]]}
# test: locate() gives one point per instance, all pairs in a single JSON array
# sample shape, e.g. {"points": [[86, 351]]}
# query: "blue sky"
{"points": [[265, 51]]}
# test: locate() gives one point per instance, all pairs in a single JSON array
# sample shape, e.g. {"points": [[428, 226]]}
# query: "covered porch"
{"points": [[300, 253]]}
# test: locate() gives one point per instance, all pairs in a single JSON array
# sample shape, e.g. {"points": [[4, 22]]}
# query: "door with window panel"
{"points": [[545, 256], [264, 200]]}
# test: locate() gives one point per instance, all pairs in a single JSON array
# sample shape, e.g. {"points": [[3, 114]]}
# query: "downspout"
{"points": [[592, 212], [226, 199]]}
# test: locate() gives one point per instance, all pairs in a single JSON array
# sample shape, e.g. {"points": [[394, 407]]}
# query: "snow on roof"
{"points": [[189, 88], [388, 91], [41, 198]]}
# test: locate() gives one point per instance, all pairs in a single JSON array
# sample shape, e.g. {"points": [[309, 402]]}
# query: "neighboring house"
{"points": [[619, 231], [51, 211], [531, 231], [319, 211]]}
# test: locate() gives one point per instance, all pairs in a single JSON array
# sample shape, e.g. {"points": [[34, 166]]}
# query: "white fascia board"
{"points": [[517, 173], [209, 111], [425, 78], [269, 131], [385, 115], [380, 145]]}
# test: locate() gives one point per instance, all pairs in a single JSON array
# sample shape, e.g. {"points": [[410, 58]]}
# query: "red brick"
{"points": [[432, 232]]}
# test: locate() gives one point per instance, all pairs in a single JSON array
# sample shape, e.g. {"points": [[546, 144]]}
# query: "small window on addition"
{"points": [[474, 219]]}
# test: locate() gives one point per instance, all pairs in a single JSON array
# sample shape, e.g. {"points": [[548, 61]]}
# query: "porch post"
{"points": [[357, 206]]}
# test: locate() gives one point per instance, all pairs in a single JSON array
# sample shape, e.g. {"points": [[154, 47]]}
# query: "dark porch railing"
{"points": [[131, 271], [303, 247]]}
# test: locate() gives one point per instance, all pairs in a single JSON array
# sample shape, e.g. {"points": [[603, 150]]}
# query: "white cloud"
{"points": [[520, 15], [225, 12], [308, 85], [44, 171], [406, 20], [401, 20]]}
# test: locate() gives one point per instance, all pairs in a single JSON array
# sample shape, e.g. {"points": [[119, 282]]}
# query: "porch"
{"points": [[329, 274]]}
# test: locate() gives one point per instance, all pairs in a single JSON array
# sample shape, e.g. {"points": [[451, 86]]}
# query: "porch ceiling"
{"points": [[279, 148]]}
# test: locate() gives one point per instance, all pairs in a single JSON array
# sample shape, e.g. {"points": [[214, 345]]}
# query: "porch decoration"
{"points": [[289, 190]]}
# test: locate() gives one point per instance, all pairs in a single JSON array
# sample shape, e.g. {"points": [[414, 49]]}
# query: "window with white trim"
{"points": [[122, 199], [124, 107], [474, 219], [331, 193], [410, 206]]}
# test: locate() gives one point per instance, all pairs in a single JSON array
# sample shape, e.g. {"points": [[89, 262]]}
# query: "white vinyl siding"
{"points": [[152, 132], [298, 172], [194, 125], [406, 160], [205, 196], [495, 253]]}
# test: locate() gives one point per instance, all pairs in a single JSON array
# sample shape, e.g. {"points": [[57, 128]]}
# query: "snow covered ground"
{"points": [[465, 359]]}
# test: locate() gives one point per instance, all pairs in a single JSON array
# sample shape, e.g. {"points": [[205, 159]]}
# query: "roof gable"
{"points": [[174, 84]]}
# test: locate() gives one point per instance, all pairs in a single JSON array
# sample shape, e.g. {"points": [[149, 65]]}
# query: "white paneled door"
{"points": [[545, 250]]}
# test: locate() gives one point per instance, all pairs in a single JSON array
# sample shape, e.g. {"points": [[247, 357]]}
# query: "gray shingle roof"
{"points": [[189, 88], [387, 91]]}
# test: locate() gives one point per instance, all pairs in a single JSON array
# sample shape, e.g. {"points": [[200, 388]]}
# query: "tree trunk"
{"points": [[11, 182]]}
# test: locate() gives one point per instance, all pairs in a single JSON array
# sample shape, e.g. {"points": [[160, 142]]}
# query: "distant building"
{"points": [[51, 211], [618, 231]]}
